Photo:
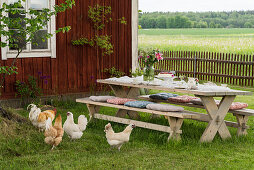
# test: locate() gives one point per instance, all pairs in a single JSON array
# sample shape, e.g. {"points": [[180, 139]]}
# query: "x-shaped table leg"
{"points": [[131, 93], [217, 115], [242, 124]]}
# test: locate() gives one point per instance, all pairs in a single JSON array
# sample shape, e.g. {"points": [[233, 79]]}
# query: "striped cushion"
{"points": [[119, 100]]}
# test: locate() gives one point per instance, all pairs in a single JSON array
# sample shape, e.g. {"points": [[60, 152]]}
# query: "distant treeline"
{"points": [[234, 19]]}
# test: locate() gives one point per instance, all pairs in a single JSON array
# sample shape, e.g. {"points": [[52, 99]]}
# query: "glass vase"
{"points": [[148, 74]]}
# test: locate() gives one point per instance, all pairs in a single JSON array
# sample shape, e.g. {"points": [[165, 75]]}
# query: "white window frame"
{"points": [[134, 23], [50, 52]]}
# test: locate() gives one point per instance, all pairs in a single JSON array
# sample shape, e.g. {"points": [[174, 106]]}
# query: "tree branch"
{"points": [[12, 64]]}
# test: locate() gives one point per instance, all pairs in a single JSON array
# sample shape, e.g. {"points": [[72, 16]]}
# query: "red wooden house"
{"points": [[69, 68]]}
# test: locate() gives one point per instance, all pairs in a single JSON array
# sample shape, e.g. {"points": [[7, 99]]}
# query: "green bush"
{"points": [[28, 90]]}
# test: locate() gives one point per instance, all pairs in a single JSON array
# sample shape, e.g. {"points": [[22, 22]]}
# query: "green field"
{"points": [[23, 147], [235, 40]]}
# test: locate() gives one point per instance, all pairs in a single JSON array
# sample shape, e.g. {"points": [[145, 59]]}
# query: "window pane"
{"points": [[43, 23], [13, 1], [15, 18], [39, 4], [19, 40], [38, 39]]}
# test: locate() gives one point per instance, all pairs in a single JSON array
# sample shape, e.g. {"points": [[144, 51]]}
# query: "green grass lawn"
{"points": [[23, 147], [235, 40]]}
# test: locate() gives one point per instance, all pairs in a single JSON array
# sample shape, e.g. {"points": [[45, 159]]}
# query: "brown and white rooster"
{"points": [[39, 118], [118, 139]]}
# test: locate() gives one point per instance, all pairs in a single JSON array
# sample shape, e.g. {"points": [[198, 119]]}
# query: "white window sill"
{"points": [[31, 54]]}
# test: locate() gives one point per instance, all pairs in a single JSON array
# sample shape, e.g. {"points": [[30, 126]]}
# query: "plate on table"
{"points": [[153, 84]]}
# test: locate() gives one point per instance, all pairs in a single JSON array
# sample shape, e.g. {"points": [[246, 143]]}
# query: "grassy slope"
{"points": [[147, 149], [239, 41]]}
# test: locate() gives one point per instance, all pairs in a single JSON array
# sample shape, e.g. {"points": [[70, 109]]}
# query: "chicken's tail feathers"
{"points": [[82, 122], [48, 123], [30, 106]]}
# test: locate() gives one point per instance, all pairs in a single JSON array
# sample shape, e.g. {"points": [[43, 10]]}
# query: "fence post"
{"points": [[195, 65]]}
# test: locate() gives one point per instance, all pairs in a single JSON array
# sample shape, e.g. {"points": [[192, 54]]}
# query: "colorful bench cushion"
{"points": [[182, 99], [118, 100], [162, 96], [238, 105], [137, 104], [101, 98], [199, 102], [164, 108], [234, 105]]}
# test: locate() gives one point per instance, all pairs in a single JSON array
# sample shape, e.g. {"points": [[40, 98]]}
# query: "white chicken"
{"points": [[34, 113], [75, 131], [39, 118], [118, 139]]}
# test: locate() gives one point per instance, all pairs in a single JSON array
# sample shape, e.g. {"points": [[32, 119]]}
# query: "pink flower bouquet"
{"points": [[150, 57]]}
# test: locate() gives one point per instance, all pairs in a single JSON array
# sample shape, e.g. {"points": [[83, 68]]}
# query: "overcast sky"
{"points": [[195, 5]]}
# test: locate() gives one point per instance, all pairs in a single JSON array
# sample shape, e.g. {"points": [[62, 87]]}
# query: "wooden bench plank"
{"points": [[246, 112], [137, 123], [205, 118]]}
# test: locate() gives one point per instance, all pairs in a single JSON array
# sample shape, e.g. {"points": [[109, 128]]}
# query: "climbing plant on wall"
{"points": [[99, 15]]}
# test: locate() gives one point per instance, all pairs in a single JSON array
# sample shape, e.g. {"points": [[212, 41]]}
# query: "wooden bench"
{"points": [[241, 115], [175, 119]]}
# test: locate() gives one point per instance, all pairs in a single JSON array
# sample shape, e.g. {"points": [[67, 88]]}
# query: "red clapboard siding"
{"points": [[76, 67]]}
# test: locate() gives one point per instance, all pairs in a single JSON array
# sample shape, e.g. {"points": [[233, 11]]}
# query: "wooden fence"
{"points": [[217, 67]]}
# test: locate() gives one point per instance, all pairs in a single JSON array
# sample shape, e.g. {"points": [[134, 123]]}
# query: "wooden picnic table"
{"points": [[216, 113]]}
